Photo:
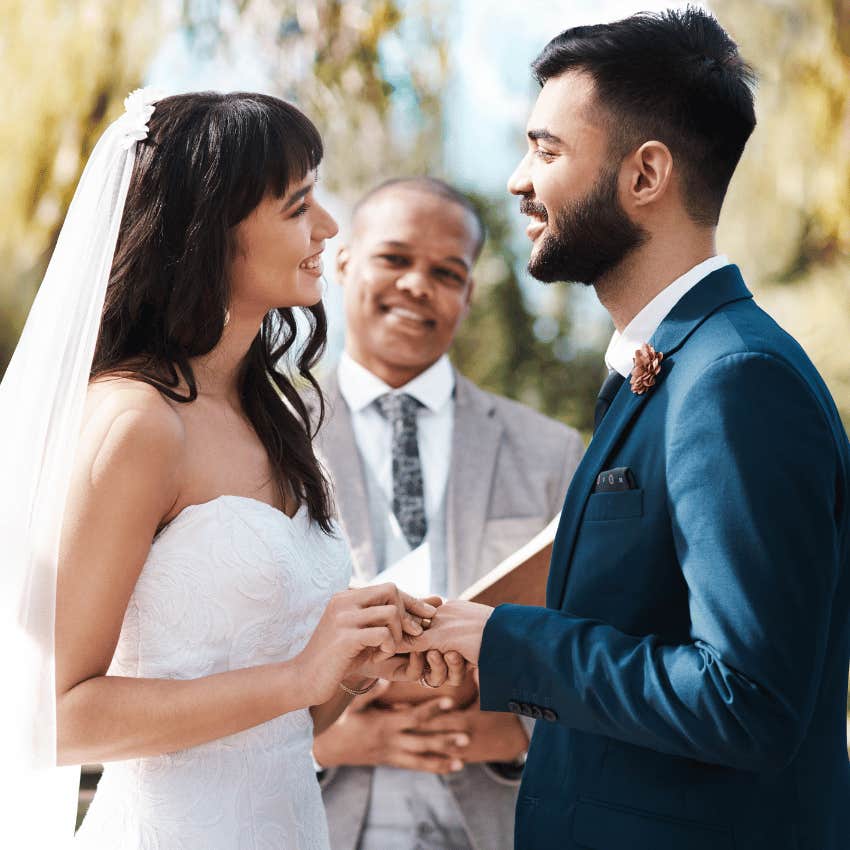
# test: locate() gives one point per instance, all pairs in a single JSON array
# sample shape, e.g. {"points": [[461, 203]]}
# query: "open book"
{"points": [[521, 579]]}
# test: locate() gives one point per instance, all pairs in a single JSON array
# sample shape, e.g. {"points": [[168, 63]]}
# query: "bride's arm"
{"points": [[327, 713], [126, 479]]}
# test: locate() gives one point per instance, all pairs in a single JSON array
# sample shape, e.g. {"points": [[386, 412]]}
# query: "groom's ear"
{"points": [[650, 173]]}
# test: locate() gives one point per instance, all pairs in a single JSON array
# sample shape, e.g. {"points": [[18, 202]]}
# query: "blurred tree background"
{"points": [[373, 75], [787, 221], [65, 68]]}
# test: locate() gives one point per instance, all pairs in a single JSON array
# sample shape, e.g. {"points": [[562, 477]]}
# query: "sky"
{"points": [[492, 93]]}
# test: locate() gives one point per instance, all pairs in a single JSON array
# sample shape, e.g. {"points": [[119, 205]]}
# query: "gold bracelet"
{"points": [[357, 692]]}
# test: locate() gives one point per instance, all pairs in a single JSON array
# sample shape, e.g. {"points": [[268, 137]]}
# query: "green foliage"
{"points": [[88, 57], [327, 56], [324, 55], [787, 220]]}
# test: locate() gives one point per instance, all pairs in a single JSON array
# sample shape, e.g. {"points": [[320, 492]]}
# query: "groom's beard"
{"points": [[589, 237]]}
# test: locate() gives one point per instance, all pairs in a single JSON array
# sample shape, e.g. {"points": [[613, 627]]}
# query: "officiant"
{"points": [[436, 481]]}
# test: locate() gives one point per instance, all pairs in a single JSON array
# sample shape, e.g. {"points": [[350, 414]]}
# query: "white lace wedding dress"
{"points": [[228, 584]]}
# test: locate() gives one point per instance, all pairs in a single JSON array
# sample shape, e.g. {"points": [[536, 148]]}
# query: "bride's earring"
{"points": [[226, 317]]}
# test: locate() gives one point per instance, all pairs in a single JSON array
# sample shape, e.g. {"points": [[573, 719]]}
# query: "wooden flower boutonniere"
{"points": [[647, 366]]}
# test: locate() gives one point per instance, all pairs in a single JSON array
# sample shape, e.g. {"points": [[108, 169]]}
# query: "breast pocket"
{"points": [[608, 507], [609, 564]]}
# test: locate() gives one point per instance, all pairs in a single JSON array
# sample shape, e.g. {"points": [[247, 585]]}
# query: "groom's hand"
{"points": [[456, 627], [398, 737]]}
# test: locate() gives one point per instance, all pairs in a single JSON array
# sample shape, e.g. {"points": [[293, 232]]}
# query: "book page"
{"points": [[412, 573]]}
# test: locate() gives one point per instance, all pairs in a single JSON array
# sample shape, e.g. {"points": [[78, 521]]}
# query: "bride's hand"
{"points": [[404, 666], [358, 626], [407, 667], [432, 667]]}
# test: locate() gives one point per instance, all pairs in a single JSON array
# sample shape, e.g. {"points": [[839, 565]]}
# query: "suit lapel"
{"points": [[342, 459], [475, 444], [718, 289], [622, 411]]}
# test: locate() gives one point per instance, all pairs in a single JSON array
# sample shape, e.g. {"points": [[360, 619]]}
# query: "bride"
{"points": [[203, 629]]}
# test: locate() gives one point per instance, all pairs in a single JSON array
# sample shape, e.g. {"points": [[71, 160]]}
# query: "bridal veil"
{"points": [[42, 396]]}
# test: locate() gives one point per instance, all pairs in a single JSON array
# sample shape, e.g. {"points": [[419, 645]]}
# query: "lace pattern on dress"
{"points": [[228, 584]]}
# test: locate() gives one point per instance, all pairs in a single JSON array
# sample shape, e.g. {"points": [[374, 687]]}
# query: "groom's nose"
{"points": [[519, 183]]}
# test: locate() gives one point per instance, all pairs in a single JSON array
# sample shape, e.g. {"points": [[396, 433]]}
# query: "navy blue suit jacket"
{"points": [[690, 668]]}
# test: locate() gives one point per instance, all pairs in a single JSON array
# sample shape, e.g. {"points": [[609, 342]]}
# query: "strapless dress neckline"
{"points": [[227, 497]]}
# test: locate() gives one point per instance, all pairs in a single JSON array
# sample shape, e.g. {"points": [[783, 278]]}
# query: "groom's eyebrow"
{"points": [[544, 135]]}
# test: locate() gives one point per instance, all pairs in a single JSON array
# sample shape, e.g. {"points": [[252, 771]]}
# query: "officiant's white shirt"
{"points": [[622, 348], [434, 389], [403, 802]]}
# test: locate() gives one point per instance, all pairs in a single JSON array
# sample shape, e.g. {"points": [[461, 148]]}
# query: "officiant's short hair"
{"points": [[432, 186], [675, 77]]}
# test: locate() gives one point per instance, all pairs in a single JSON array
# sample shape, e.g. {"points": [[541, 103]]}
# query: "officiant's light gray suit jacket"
{"points": [[510, 469]]}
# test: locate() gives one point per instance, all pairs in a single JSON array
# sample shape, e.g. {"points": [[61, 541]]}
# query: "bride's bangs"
{"points": [[293, 149]]}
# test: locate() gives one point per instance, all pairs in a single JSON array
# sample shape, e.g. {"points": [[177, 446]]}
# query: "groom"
{"points": [[690, 667]]}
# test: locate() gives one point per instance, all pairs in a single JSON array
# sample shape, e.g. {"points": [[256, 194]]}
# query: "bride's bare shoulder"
{"points": [[121, 409]]}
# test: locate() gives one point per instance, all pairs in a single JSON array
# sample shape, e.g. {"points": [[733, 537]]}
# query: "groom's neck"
{"points": [[651, 268]]}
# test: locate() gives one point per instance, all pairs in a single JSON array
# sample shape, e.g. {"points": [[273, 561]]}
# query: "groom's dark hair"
{"points": [[675, 77]]}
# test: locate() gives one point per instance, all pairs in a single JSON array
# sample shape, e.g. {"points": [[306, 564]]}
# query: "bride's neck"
{"points": [[217, 372]]}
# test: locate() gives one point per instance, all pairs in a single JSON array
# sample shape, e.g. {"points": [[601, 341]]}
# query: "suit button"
{"points": [[536, 712], [550, 715], [525, 709], [514, 706]]}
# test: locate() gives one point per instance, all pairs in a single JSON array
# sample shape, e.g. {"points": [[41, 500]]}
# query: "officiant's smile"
{"points": [[406, 278]]}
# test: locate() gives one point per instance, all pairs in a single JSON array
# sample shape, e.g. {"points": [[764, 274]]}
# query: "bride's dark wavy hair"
{"points": [[208, 161]]}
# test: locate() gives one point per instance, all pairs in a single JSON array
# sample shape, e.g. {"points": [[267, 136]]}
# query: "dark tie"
{"points": [[408, 492], [606, 395]]}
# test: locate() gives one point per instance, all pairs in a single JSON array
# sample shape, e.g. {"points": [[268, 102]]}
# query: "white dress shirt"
{"points": [[622, 348], [405, 805], [434, 389]]}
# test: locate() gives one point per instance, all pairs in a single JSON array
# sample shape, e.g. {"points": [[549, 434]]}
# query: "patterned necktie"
{"points": [[606, 395], [408, 491]]}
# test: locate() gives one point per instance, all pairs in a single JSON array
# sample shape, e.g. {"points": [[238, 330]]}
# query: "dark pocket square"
{"points": [[615, 480]]}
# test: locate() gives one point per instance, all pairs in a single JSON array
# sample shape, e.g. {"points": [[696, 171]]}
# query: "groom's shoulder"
{"points": [[739, 334], [740, 353]]}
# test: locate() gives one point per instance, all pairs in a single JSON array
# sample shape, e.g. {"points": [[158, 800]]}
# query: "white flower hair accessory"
{"points": [[138, 106]]}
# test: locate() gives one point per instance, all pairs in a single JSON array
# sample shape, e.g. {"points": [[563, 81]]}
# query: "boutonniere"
{"points": [[647, 366]]}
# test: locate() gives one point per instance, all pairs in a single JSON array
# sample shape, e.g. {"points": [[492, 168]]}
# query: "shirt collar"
{"points": [[359, 387], [622, 348]]}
